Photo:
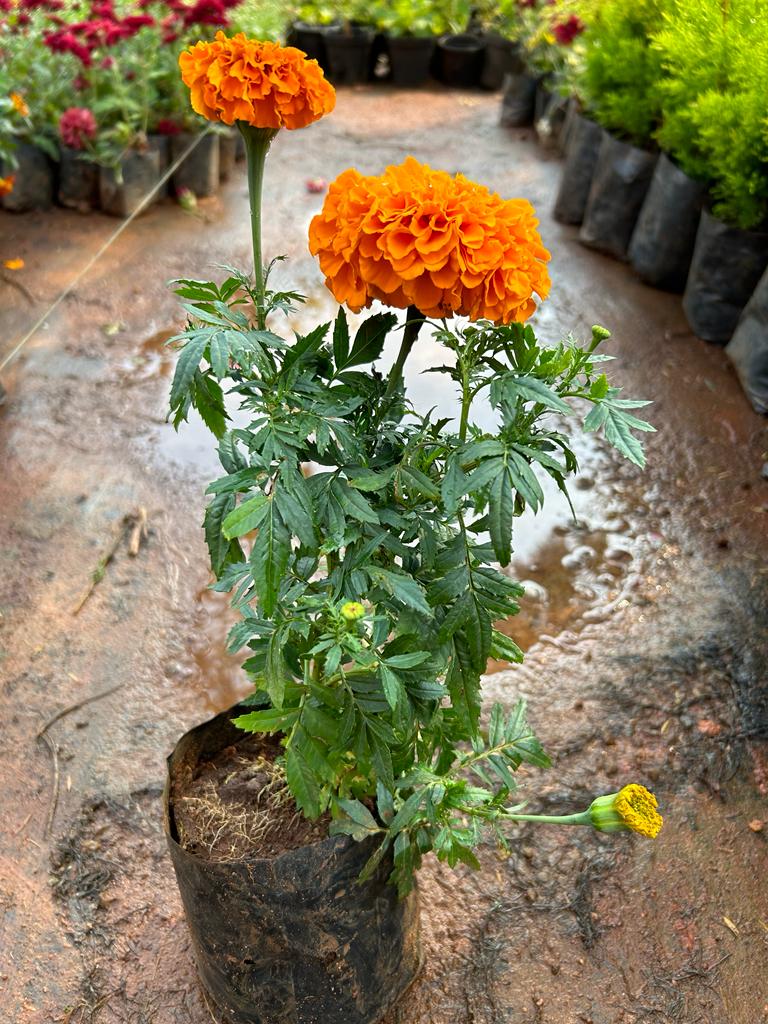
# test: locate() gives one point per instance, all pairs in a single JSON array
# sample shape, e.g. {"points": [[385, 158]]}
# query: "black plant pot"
{"points": [[228, 153], [518, 99], [501, 57], [662, 244], [543, 98], [161, 144], [460, 60], [619, 185], [569, 120], [291, 939], [726, 267], [584, 140], [311, 39], [122, 189], [410, 59], [349, 54], [198, 172], [549, 123], [34, 180], [748, 348], [78, 181]]}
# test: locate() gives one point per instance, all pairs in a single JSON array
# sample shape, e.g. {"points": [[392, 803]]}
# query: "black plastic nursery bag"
{"points": [[726, 267], [621, 180], [292, 939], [583, 145], [665, 234], [748, 348]]}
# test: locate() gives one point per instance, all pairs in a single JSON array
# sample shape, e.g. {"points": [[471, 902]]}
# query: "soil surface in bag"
{"points": [[619, 184], [748, 348], [643, 623], [665, 234], [727, 264], [237, 805], [583, 146]]}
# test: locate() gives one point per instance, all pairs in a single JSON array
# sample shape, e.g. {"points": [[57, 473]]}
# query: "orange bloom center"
{"points": [[6, 184], [261, 83], [414, 236]]}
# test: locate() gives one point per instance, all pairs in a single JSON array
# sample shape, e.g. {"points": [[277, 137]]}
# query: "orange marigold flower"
{"points": [[6, 184], [414, 236], [20, 104], [15, 264], [261, 83]]}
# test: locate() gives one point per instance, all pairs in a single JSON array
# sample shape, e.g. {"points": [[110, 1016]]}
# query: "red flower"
{"points": [[566, 31], [165, 126], [76, 126], [206, 12], [67, 42]]}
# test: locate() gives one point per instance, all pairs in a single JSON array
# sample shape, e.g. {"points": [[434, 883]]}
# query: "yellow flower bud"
{"points": [[633, 809], [352, 611]]}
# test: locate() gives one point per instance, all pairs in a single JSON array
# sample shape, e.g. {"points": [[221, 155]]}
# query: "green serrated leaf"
{"points": [[248, 515], [302, 783]]}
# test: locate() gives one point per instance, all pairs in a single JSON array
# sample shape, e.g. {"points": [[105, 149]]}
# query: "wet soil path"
{"points": [[645, 626]]}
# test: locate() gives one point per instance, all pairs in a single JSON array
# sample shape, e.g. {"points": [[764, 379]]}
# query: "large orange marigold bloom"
{"points": [[414, 236], [261, 83]]}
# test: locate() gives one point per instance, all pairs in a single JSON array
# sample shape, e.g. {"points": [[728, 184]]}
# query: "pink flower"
{"points": [[76, 126]]}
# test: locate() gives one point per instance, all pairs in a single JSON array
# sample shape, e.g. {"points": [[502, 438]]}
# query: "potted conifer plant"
{"points": [[362, 540], [713, 57], [714, 132], [617, 83], [412, 31]]}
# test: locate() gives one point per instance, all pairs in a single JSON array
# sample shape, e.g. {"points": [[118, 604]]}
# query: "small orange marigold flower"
{"points": [[15, 264], [6, 184], [414, 236], [20, 104], [261, 83]]}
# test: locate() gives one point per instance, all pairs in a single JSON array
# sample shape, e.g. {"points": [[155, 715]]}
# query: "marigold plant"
{"points": [[366, 542], [417, 237]]}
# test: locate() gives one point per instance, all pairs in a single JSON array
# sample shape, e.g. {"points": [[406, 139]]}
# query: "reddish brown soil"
{"points": [[645, 631], [237, 806]]}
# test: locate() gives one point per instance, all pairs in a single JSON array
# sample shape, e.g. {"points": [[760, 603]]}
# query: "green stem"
{"points": [[582, 818], [257, 143], [466, 399], [413, 324]]}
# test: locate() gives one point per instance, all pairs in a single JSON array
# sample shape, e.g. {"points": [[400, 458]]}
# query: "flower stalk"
{"points": [[257, 143]]}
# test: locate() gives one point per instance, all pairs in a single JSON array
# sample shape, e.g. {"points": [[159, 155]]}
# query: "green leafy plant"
{"points": [[715, 58], [369, 587], [617, 75], [420, 18]]}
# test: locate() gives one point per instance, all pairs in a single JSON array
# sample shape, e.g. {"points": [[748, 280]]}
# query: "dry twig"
{"points": [[134, 526]]}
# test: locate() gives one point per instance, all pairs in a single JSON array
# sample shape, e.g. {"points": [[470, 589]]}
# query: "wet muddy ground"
{"points": [[644, 626]]}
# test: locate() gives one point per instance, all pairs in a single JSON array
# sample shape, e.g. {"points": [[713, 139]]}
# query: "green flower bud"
{"points": [[600, 334], [352, 611]]}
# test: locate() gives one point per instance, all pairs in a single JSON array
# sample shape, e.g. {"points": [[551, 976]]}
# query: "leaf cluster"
{"points": [[714, 54], [339, 490]]}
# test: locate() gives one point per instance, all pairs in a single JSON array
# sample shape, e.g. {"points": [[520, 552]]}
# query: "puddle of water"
{"points": [[218, 676], [152, 359]]}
